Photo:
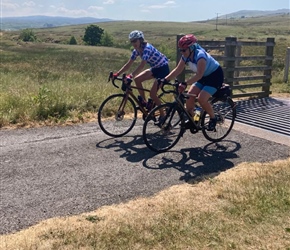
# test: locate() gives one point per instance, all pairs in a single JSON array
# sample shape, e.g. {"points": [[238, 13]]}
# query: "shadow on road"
{"points": [[130, 147], [196, 163]]}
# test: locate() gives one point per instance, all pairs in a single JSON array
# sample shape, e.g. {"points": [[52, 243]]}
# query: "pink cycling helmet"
{"points": [[186, 41]]}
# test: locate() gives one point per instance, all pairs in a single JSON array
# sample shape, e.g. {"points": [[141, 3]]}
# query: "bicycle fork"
{"points": [[120, 114]]}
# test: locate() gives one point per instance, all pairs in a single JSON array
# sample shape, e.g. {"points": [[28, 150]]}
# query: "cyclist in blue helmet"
{"points": [[158, 62]]}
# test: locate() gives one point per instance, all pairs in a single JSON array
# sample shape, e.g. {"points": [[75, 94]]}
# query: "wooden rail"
{"points": [[247, 72], [287, 65]]}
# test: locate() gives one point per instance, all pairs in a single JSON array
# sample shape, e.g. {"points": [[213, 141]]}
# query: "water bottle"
{"points": [[197, 114]]}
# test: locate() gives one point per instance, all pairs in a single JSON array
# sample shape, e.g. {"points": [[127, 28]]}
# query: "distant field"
{"points": [[52, 82]]}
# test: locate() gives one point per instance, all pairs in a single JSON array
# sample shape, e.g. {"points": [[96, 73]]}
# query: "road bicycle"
{"points": [[117, 114], [162, 136]]}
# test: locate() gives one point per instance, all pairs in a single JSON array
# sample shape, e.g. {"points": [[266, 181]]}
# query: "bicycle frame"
{"points": [[178, 98], [129, 92], [194, 125], [127, 89], [121, 109], [163, 135]]}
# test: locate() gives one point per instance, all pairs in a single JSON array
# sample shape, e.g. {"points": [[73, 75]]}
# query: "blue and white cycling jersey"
{"points": [[150, 54], [211, 63]]}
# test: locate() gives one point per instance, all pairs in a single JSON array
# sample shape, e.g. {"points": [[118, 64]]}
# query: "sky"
{"points": [[138, 10]]}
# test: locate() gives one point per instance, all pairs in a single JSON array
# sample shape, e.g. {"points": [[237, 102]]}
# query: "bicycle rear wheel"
{"points": [[117, 116], [225, 111], [162, 137]]}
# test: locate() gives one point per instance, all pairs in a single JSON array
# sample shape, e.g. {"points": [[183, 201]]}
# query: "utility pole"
{"points": [[216, 23]]}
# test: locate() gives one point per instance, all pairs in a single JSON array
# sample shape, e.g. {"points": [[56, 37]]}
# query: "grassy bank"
{"points": [[246, 207], [55, 83]]}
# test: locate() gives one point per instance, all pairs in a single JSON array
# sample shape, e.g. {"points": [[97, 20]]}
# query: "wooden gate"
{"points": [[247, 65]]}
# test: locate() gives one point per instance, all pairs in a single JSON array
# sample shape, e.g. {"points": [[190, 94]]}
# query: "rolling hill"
{"points": [[18, 23], [255, 13]]}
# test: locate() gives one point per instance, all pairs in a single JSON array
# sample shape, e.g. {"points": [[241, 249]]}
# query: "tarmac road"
{"points": [[61, 171]]}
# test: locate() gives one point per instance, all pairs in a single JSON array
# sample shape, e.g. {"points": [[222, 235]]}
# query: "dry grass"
{"points": [[246, 207]]}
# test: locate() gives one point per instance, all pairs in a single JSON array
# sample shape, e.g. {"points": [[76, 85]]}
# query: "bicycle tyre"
{"points": [[225, 110], [162, 138], [111, 121]]}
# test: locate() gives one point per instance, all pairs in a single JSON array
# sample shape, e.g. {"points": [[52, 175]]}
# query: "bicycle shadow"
{"points": [[196, 164], [200, 163], [131, 147]]}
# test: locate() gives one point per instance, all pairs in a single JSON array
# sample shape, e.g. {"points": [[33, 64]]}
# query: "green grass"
{"points": [[52, 82], [40, 81]]}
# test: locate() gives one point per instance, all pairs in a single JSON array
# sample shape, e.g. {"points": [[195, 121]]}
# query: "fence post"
{"points": [[181, 76], [237, 63], [229, 61], [287, 65], [268, 62]]}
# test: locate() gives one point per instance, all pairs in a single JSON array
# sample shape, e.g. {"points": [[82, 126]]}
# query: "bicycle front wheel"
{"points": [[225, 111], [117, 115], [163, 136]]}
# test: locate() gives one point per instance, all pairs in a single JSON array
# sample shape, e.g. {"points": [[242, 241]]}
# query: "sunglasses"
{"points": [[134, 41], [182, 50]]}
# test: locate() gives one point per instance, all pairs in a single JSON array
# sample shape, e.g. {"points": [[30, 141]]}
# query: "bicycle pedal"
{"points": [[188, 124], [193, 130], [211, 130]]}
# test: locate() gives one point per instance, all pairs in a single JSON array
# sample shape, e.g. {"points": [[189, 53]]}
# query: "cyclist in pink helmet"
{"points": [[208, 77], [158, 62]]}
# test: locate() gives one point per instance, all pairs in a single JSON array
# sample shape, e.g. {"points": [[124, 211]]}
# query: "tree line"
{"points": [[94, 36]]}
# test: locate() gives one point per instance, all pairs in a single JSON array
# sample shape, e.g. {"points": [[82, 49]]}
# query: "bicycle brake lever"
{"points": [[110, 76]]}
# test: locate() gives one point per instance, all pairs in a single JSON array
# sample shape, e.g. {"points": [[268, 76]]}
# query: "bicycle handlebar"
{"points": [[123, 78], [174, 85], [176, 92]]}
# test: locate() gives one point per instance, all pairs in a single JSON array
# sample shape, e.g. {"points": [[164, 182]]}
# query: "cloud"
{"points": [[9, 6], [67, 12], [29, 4], [168, 4], [156, 7], [109, 2], [95, 8]]}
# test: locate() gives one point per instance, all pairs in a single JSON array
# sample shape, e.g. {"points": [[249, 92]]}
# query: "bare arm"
{"points": [[176, 71], [139, 68], [126, 66]]}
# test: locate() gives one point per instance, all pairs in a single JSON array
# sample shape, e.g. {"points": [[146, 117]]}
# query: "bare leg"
{"points": [[190, 102], [203, 101], [153, 95], [143, 76]]}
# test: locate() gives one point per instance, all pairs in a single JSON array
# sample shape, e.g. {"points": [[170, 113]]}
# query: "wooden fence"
{"points": [[248, 75], [287, 65]]}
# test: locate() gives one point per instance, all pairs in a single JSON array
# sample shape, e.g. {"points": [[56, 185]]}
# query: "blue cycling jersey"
{"points": [[150, 54], [211, 63]]}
